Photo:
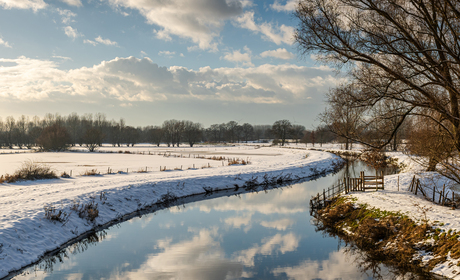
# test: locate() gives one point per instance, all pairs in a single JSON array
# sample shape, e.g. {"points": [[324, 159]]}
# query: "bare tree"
{"points": [[281, 129], [411, 47], [231, 129], [192, 132], [155, 135], [93, 138], [343, 116], [54, 138], [247, 132], [297, 132]]}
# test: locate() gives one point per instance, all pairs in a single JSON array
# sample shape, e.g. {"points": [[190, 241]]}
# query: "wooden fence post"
{"points": [[442, 194], [383, 180]]}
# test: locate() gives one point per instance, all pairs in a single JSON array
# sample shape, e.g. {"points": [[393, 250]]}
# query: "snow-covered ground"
{"points": [[25, 233]]}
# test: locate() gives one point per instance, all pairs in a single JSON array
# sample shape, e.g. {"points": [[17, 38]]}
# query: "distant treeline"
{"points": [[92, 130]]}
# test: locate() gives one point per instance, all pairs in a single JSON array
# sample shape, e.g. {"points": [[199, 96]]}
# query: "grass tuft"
{"points": [[91, 172], [30, 170]]}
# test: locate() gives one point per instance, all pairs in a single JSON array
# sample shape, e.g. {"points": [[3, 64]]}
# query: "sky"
{"points": [[208, 61]]}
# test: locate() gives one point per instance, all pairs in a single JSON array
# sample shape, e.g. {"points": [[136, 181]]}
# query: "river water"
{"points": [[264, 235]]}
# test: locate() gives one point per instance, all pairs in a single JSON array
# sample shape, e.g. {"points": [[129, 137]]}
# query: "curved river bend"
{"points": [[264, 235]]}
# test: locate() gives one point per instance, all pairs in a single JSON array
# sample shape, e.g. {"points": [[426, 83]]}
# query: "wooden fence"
{"points": [[438, 196], [347, 185]]}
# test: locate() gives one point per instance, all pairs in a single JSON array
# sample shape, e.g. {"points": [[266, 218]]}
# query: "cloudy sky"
{"points": [[209, 61]]}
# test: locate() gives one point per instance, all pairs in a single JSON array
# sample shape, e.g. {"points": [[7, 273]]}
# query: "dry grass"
{"points": [[54, 215], [91, 172], [238, 161], [142, 170], [373, 230], [30, 170], [86, 211]]}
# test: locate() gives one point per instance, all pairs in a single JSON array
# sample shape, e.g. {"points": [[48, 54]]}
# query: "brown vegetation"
{"points": [[389, 236], [91, 172], [30, 170], [86, 211]]}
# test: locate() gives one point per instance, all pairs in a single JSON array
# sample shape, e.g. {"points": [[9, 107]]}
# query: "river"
{"points": [[261, 235]]}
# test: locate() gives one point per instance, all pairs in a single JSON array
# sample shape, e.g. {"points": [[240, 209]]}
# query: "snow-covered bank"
{"points": [[25, 233], [397, 198]]}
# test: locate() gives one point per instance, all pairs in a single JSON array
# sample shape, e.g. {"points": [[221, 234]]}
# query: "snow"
{"points": [[26, 235]]}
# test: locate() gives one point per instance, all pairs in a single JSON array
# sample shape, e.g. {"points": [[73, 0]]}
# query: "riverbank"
{"points": [[40, 216], [435, 240]]}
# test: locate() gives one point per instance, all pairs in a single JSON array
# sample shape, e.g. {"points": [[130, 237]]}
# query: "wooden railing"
{"points": [[440, 196], [345, 186]]}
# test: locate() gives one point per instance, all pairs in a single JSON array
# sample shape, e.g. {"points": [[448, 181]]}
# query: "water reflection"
{"points": [[264, 235]]}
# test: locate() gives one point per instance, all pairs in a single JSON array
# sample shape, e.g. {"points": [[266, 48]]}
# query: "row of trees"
{"points": [[93, 130], [403, 63]]}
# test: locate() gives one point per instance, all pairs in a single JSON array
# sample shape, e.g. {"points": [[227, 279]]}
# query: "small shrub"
{"points": [[238, 161], [91, 172], [30, 170], [127, 152], [86, 211], [53, 215], [65, 175]]}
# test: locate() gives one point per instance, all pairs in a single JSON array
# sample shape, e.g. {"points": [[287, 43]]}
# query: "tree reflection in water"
{"points": [[46, 265], [372, 261]]}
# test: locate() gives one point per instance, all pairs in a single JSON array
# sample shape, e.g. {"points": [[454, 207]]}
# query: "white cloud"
{"points": [[86, 41], [340, 263], [282, 224], [280, 53], [199, 21], [76, 3], [238, 57], [66, 15], [4, 43], [106, 41], [187, 260], [277, 34], [131, 79], [277, 243], [62, 57], [23, 4], [238, 221], [71, 32], [166, 53], [288, 7]]}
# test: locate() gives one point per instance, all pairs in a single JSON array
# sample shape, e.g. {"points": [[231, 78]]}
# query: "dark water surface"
{"points": [[264, 235]]}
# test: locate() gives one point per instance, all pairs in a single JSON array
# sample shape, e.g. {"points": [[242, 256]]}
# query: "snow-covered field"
{"points": [[25, 233]]}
